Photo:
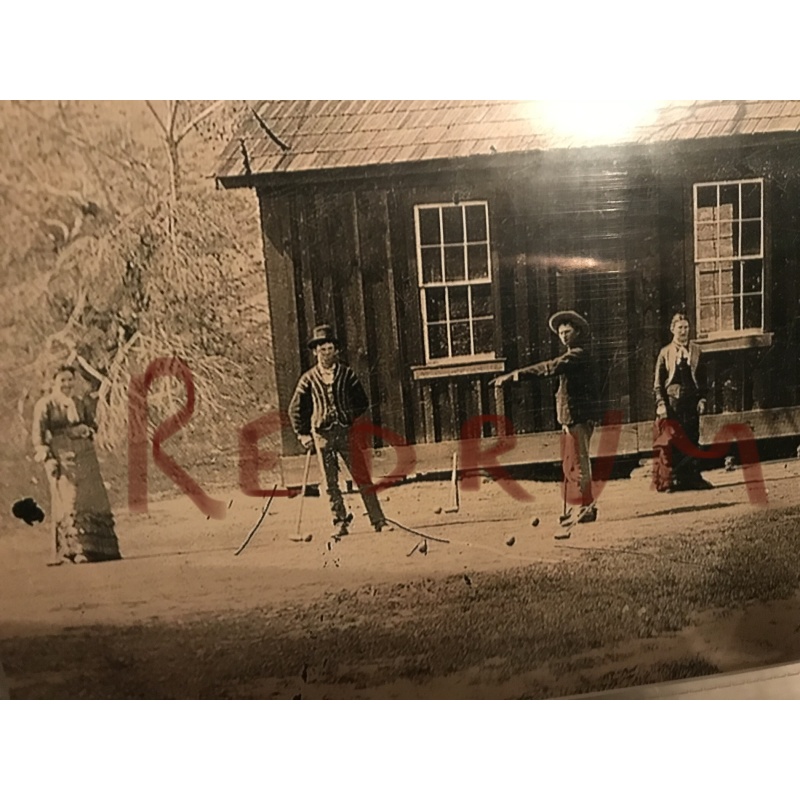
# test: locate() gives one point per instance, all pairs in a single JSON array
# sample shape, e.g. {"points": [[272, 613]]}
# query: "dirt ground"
{"points": [[660, 587]]}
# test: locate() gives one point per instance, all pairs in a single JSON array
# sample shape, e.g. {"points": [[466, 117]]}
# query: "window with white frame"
{"points": [[455, 280], [729, 256]]}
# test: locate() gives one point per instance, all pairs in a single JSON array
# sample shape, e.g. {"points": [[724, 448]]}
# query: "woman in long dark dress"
{"points": [[63, 438], [680, 390]]}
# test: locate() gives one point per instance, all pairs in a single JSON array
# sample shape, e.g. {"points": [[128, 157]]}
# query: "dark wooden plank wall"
{"points": [[400, 224], [343, 275], [751, 378], [643, 264], [355, 266], [283, 289], [537, 222], [575, 256], [347, 255], [384, 337], [521, 290], [777, 376]]}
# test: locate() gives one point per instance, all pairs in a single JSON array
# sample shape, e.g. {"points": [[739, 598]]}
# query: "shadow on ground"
{"points": [[539, 631]]}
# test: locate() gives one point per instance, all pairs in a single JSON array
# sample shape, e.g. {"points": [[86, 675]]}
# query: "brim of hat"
{"points": [[324, 340], [562, 317]]}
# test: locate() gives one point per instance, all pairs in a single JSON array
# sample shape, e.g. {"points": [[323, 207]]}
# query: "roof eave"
{"points": [[331, 174], [379, 170]]}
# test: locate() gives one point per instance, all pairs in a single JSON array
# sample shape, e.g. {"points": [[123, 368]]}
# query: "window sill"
{"points": [[734, 342], [453, 369]]}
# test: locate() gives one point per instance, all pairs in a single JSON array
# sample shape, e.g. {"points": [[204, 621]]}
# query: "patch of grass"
{"points": [[636, 675], [525, 618]]}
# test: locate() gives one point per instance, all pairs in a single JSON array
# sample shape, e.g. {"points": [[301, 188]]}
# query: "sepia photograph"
{"points": [[397, 399]]}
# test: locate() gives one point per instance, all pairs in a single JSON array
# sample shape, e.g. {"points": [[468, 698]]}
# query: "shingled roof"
{"points": [[293, 136]]}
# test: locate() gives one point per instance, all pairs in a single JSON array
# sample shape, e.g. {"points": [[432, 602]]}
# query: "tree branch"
{"points": [[62, 336], [158, 119], [207, 111], [172, 105], [105, 382], [71, 194], [101, 179], [85, 365], [76, 227], [130, 163], [273, 136]]}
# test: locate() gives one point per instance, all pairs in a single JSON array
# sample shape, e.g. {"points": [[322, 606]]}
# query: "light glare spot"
{"points": [[593, 122]]}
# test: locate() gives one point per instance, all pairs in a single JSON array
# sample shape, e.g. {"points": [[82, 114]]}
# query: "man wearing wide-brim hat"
{"points": [[576, 406], [327, 400]]}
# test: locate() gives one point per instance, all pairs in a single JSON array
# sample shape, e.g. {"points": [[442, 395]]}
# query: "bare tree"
{"points": [[172, 141], [101, 230]]}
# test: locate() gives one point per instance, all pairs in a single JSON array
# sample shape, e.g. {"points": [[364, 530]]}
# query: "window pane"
{"points": [[734, 251], [751, 238], [752, 276], [459, 302], [429, 226], [707, 240], [708, 284], [726, 278], [725, 247], [483, 331], [482, 300], [431, 265], [737, 280], [709, 320], [478, 255], [437, 341], [751, 200], [727, 315], [728, 238], [706, 231], [706, 214], [729, 250], [460, 336], [752, 311], [454, 263], [455, 269], [435, 305], [729, 198], [453, 224], [476, 223], [706, 196]]}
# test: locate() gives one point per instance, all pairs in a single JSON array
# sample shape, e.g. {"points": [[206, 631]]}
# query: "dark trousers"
{"points": [[330, 444], [576, 463]]}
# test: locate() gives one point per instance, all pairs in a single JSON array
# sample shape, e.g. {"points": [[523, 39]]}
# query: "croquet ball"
{"points": [[437, 510], [535, 521], [510, 541], [309, 537]]}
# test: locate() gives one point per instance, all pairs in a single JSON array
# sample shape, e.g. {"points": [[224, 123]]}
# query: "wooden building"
{"points": [[439, 236]]}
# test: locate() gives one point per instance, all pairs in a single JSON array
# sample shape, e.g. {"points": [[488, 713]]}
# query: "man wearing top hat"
{"points": [[576, 404], [327, 400]]}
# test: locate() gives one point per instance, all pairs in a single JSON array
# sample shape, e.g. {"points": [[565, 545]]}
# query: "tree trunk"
{"points": [[174, 189]]}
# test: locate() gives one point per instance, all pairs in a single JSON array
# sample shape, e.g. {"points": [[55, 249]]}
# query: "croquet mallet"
{"points": [[297, 537], [454, 499]]}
